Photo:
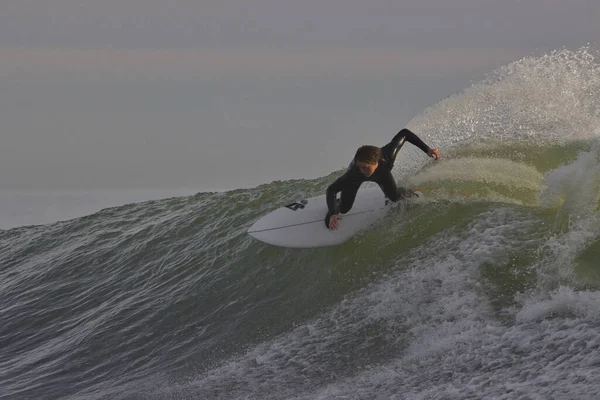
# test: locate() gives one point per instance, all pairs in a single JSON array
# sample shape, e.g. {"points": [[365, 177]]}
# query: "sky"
{"points": [[222, 94]]}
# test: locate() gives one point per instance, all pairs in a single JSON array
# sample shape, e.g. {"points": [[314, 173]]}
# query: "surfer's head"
{"points": [[367, 159]]}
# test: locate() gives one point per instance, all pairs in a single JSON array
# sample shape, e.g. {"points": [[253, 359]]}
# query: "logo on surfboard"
{"points": [[298, 205]]}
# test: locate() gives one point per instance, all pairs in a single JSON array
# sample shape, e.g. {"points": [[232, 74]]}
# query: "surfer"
{"points": [[371, 163]]}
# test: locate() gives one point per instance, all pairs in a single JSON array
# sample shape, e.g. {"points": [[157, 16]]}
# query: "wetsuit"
{"points": [[351, 180]]}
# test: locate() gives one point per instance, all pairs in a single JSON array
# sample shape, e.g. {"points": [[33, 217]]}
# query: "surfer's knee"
{"points": [[344, 208], [343, 205], [395, 197]]}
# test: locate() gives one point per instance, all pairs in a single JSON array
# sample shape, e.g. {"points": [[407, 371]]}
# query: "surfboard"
{"points": [[301, 223]]}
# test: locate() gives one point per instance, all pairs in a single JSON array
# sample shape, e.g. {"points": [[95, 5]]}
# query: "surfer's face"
{"points": [[367, 169]]}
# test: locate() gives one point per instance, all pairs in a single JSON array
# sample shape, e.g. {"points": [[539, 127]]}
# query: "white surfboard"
{"points": [[301, 224]]}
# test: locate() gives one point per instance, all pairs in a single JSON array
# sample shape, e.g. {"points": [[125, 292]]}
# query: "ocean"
{"points": [[488, 288]]}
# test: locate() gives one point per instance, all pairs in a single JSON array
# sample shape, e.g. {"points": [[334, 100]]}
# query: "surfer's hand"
{"points": [[334, 222], [434, 153]]}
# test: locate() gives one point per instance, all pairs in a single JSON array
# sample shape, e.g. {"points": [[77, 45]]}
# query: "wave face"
{"points": [[488, 288]]}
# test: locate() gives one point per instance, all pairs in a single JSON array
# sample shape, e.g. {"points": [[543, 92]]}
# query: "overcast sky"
{"points": [[217, 94]]}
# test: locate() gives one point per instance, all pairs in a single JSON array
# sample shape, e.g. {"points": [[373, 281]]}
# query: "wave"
{"points": [[484, 289]]}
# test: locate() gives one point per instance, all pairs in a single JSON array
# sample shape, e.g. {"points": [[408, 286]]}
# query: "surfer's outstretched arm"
{"points": [[406, 135]]}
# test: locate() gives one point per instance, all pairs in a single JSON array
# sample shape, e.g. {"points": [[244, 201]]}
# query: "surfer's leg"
{"points": [[347, 197], [387, 183]]}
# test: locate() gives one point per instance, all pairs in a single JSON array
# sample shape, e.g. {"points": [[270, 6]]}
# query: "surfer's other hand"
{"points": [[434, 153], [334, 222]]}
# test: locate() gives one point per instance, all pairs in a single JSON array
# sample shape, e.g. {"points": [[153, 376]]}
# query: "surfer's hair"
{"points": [[368, 154]]}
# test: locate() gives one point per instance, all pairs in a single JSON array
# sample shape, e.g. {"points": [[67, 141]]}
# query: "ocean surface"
{"points": [[488, 288], [37, 207]]}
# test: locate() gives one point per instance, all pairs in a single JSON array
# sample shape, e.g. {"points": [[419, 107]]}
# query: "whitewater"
{"points": [[489, 288]]}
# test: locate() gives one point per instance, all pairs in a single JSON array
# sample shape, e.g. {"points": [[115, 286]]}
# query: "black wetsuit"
{"points": [[351, 180]]}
